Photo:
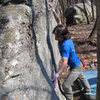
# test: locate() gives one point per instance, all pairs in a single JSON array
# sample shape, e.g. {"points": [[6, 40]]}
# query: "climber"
{"points": [[69, 56]]}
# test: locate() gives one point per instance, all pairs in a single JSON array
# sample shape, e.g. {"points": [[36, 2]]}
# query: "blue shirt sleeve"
{"points": [[65, 51]]}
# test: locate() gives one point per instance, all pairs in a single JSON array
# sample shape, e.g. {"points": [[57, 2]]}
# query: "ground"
{"points": [[85, 49]]}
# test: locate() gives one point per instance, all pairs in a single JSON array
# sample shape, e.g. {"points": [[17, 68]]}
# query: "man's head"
{"points": [[61, 32]]}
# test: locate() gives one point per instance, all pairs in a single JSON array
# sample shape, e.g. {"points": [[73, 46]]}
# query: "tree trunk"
{"points": [[98, 48], [93, 32], [28, 51], [85, 12], [92, 9]]}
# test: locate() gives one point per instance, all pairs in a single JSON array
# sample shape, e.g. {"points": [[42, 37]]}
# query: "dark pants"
{"points": [[73, 75]]}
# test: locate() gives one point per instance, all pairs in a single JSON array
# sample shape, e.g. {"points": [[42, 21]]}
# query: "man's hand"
{"points": [[55, 77], [55, 80], [50, 7]]}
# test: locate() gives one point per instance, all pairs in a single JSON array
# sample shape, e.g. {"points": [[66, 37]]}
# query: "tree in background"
{"points": [[98, 48], [92, 9]]}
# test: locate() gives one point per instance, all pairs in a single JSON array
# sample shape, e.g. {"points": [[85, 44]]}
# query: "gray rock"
{"points": [[5, 2], [28, 53], [75, 13]]}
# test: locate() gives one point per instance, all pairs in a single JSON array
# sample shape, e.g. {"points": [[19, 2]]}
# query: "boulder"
{"points": [[28, 52], [75, 13]]}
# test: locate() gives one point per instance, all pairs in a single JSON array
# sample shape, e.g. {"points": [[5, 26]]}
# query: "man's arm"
{"points": [[63, 65], [57, 18]]}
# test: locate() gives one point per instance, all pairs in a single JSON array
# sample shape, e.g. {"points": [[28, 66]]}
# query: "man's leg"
{"points": [[84, 82], [73, 75]]}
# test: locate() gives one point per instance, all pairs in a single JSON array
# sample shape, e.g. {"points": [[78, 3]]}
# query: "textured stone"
{"points": [[28, 53], [5, 2], [75, 14]]}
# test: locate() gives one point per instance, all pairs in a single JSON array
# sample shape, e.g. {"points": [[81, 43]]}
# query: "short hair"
{"points": [[62, 31]]}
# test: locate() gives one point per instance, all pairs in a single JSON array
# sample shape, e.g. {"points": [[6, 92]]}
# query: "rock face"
{"points": [[28, 51]]}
